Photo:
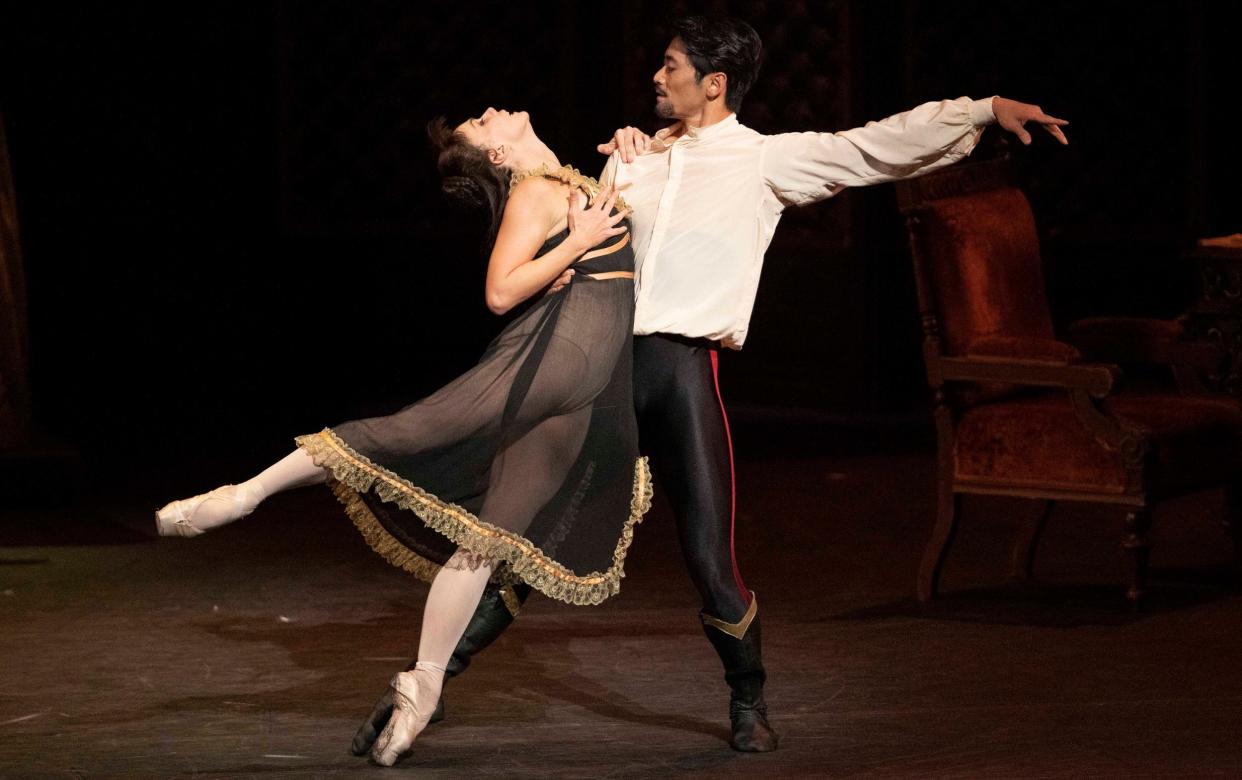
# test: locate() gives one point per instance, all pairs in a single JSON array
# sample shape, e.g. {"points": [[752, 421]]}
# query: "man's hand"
{"points": [[1012, 115], [630, 140], [561, 281]]}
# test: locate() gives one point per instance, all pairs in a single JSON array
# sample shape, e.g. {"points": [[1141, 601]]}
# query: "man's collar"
{"points": [[695, 133], [712, 129]]}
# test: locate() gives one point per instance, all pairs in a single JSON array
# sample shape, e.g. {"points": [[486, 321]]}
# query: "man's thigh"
{"points": [[681, 423]]}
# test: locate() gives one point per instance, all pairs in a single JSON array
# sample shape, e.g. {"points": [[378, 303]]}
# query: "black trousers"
{"points": [[683, 428]]}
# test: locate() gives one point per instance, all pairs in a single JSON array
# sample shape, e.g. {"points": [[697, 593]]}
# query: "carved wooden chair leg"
{"points": [[1136, 544], [1023, 563], [947, 511]]}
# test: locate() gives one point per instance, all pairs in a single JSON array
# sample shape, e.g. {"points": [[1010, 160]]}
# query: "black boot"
{"points": [[737, 644], [496, 610]]}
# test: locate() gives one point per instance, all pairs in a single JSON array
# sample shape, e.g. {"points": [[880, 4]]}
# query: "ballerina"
{"points": [[525, 469]]}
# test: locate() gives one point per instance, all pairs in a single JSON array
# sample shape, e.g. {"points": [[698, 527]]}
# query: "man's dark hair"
{"points": [[726, 45]]}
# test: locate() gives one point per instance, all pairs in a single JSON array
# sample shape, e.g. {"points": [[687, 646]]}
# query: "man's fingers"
{"points": [[607, 149], [561, 281], [1057, 134], [1013, 116]]}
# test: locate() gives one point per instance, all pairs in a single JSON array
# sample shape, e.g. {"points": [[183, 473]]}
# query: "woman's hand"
{"points": [[629, 140], [591, 225]]}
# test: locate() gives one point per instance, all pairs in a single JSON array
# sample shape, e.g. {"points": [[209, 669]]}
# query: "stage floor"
{"points": [[256, 650]]}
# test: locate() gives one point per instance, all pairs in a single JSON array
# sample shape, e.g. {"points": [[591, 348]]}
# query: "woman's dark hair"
{"points": [[725, 45], [467, 177]]}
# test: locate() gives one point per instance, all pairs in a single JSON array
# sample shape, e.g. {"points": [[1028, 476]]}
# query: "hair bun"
{"points": [[464, 191]]}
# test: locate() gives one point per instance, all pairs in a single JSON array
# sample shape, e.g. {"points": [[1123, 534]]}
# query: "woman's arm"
{"points": [[512, 276]]}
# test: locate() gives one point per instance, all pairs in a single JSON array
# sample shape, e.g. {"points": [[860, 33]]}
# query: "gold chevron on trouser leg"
{"points": [[511, 600], [736, 630]]}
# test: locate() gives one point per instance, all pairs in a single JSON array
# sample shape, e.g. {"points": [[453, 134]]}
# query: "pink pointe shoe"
{"points": [[414, 700], [193, 516]]}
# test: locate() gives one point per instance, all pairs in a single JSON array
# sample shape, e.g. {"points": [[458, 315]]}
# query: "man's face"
{"points": [[678, 93]]}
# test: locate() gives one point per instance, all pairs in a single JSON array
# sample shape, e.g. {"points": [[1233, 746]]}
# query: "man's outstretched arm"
{"points": [[1009, 114], [804, 168]]}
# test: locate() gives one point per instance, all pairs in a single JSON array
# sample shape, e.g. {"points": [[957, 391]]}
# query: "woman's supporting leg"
{"points": [[455, 592], [193, 516], [524, 477]]}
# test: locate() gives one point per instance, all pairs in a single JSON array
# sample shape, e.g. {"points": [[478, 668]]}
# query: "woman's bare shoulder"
{"points": [[538, 187], [538, 196]]}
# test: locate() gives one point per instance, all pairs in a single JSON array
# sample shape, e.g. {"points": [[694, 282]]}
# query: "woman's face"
{"points": [[493, 128]]}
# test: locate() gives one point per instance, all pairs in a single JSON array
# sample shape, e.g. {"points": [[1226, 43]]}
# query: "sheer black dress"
{"points": [[529, 460]]}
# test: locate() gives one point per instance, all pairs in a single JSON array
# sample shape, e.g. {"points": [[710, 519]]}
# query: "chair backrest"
{"points": [[976, 261], [977, 256]]}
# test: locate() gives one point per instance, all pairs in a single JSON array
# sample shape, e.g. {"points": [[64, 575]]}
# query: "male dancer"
{"points": [[706, 195]]}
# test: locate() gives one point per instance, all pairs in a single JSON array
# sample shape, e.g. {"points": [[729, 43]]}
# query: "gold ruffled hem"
{"points": [[353, 474]]}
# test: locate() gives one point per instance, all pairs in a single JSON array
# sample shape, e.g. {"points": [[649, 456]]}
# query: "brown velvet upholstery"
{"points": [[984, 263], [1138, 340], [983, 256], [1038, 441], [1023, 348], [1020, 413], [1126, 339]]}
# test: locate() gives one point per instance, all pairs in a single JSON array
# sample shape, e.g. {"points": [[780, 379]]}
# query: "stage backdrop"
{"points": [[233, 232]]}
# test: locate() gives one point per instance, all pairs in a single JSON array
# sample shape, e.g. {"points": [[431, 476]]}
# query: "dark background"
{"points": [[233, 234]]}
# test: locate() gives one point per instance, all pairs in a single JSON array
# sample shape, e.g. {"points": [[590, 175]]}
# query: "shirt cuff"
{"points": [[981, 112]]}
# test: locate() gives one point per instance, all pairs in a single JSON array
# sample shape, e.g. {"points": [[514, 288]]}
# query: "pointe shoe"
{"points": [[193, 516], [414, 700]]}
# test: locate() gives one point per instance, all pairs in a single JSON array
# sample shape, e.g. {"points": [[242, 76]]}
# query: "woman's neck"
{"points": [[531, 155]]}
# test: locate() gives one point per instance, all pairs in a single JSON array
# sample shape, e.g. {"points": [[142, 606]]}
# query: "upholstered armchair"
{"points": [[1019, 412]]}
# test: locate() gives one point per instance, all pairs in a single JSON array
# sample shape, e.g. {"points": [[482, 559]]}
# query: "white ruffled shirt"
{"points": [[706, 205]]}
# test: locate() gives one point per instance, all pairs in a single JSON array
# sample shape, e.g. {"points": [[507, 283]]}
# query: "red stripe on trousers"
{"points": [[737, 574]]}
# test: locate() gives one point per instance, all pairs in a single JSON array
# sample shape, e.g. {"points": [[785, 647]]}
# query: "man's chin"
{"points": [[664, 109]]}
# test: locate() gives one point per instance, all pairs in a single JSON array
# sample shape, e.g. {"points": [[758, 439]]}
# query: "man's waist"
{"points": [[689, 341]]}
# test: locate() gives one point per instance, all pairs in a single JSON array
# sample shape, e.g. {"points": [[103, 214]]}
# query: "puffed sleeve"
{"points": [[802, 168]]}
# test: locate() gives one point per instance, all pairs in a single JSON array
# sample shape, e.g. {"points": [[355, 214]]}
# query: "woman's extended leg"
{"points": [[454, 593], [193, 516]]}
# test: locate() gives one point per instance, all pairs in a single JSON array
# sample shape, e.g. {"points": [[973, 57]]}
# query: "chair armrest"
{"points": [[1097, 379], [1144, 340], [1086, 384], [1023, 348]]}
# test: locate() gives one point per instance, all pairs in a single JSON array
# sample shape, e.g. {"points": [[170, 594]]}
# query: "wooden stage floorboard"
{"points": [[256, 650]]}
